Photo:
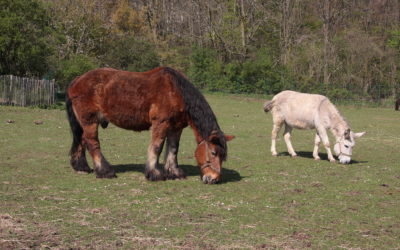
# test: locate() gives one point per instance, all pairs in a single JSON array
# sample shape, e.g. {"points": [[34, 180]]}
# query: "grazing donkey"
{"points": [[309, 111]]}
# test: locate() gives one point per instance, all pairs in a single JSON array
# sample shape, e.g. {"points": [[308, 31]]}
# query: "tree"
{"points": [[24, 38]]}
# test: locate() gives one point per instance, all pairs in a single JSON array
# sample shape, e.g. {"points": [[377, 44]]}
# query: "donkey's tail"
{"points": [[76, 128], [268, 105]]}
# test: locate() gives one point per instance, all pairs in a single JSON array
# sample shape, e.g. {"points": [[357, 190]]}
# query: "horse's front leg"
{"points": [[158, 134], [101, 166], [172, 171], [325, 140], [317, 141]]}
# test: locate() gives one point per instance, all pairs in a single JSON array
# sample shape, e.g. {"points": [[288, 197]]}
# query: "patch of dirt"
{"points": [[15, 235]]}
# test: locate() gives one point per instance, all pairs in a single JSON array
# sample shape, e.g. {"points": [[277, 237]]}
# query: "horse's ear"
{"points": [[214, 138], [358, 135], [229, 137]]}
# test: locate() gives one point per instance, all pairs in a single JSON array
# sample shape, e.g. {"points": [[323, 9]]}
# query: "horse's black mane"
{"points": [[198, 109]]}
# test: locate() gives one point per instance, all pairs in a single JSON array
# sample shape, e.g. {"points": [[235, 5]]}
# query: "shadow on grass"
{"points": [[323, 156], [228, 175]]}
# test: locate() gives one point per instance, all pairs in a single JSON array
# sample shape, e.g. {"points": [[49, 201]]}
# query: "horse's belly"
{"points": [[130, 122]]}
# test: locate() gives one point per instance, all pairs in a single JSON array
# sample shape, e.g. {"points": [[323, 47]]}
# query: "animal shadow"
{"points": [[228, 175], [323, 156]]}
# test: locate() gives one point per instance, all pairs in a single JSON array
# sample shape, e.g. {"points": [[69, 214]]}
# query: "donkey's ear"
{"points": [[347, 134], [229, 137], [358, 135]]}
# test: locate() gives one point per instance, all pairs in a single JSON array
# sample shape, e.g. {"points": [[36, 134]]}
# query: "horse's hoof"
{"points": [[108, 175], [294, 156], [175, 174], [274, 154], [154, 175], [333, 160], [317, 158]]}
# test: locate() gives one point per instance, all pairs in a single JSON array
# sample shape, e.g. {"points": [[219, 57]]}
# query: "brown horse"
{"points": [[161, 100]]}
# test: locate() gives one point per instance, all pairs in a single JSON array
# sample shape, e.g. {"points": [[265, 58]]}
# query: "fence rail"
{"points": [[22, 91]]}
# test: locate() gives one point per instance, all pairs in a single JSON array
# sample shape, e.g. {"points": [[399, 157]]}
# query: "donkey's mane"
{"points": [[198, 109], [338, 120]]}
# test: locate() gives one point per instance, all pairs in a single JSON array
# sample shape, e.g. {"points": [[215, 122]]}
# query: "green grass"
{"points": [[263, 202]]}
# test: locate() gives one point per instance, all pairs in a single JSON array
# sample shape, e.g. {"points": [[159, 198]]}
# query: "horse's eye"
{"points": [[213, 153], [346, 146]]}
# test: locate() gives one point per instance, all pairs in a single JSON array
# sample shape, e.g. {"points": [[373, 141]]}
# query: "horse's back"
{"points": [[128, 99]]}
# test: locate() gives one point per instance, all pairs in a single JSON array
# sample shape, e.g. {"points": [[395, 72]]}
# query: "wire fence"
{"points": [[23, 91]]}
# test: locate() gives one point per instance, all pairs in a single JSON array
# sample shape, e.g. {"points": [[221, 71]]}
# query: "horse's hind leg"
{"points": [[172, 171], [286, 136], [78, 159], [158, 134], [317, 141], [101, 167]]}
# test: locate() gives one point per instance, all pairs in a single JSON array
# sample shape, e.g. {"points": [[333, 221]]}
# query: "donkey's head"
{"points": [[344, 145], [210, 154]]}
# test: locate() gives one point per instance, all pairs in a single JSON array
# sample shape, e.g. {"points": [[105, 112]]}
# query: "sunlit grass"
{"points": [[264, 201]]}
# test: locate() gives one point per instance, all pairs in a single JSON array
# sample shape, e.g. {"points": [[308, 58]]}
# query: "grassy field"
{"points": [[262, 202]]}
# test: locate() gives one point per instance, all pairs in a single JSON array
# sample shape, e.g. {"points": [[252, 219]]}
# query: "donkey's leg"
{"points": [[317, 141], [158, 134], [325, 140], [275, 130], [286, 136], [172, 171], [101, 167]]}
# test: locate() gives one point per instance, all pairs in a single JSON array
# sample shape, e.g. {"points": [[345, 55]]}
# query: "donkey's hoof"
{"points": [[154, 175]]}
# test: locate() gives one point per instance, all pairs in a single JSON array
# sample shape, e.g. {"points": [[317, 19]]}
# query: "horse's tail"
{"points": [[76, 128], [397, 104], [268, 105]]}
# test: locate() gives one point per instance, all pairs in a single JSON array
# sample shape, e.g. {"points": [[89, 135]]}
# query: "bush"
{"points": [[259, 75], [73, 67], [129, 53]]}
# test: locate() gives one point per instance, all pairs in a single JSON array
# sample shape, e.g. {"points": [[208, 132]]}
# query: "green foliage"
{"points": [[394, 40], [24, 33], [130, 53], [73, 67], [257, 75]]}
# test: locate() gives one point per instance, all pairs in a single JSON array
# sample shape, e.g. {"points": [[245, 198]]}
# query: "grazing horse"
{"points": [[397, 104], [310, 111], [161, 100]]}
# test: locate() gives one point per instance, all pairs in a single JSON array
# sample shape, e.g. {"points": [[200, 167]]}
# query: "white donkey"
{"points": [[309, 111]]}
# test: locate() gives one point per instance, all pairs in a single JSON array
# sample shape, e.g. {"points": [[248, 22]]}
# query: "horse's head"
{"points": [[210, 154], [344, 146]]}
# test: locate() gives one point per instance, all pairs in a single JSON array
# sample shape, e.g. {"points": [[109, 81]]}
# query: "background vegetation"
{"points": [[341, 48], [263, 202]]}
